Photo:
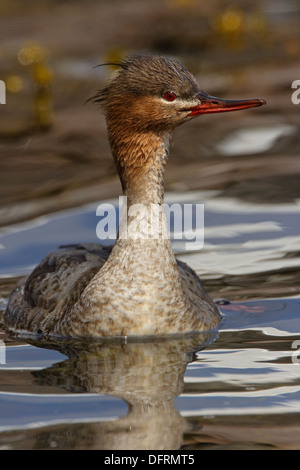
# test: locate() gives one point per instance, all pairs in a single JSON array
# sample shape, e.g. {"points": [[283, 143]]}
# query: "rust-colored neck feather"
{"points": [[140, 152]]}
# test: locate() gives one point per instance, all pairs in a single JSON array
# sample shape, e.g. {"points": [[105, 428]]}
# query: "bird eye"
{"points": [[170, 96]]}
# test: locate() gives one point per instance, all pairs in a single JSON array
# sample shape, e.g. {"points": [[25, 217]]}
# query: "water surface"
{"points": [[237, 388]]}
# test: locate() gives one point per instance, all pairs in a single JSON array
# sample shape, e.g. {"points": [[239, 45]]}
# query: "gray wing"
{"points": [[60, 278], [56, 284]]}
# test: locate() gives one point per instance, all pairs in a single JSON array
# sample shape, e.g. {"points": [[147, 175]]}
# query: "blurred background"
{"points": [[53, 146], [244, 167]]}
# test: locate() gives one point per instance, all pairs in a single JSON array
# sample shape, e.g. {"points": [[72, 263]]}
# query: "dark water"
{"points": [[235, 389], [224, 390]]}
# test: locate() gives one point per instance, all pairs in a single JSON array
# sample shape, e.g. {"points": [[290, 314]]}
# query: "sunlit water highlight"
{"points": [[250, 369]]}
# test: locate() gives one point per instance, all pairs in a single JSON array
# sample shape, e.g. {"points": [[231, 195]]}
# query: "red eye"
{"points": [[170, 96]]}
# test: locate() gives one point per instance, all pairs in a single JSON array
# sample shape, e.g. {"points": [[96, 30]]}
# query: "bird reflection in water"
{"points": [[147, 375]]}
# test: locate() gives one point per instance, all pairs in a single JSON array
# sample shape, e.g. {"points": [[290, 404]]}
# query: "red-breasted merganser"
{"points": [[137, 288]]}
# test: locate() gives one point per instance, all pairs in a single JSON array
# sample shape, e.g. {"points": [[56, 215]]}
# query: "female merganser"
{"points": [[138, 287]]}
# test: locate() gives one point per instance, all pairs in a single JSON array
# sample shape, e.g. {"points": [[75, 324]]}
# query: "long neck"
{"points": [[142, 263], [141, 161]]}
